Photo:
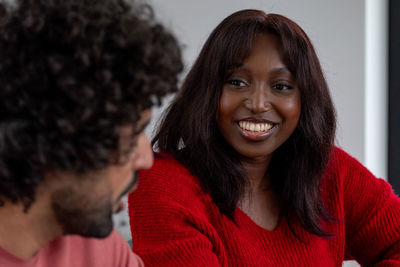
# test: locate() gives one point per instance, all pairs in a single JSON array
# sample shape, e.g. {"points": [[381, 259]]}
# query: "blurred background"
{"points": [[352, 40]]}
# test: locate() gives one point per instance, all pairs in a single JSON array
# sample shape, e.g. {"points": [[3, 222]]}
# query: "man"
{"points": [[78, 79]]}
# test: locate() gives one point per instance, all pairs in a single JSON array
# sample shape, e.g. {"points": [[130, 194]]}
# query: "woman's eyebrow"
{"points": [[240, 68], [281, 70]]}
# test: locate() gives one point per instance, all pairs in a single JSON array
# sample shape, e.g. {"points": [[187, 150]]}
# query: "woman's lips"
{"points": [[255, 130], [252, 126]]}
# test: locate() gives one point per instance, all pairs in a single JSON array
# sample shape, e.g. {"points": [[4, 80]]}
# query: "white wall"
{"points": [[338, 32]]}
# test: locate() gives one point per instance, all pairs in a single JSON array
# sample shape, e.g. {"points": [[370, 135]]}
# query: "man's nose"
{"points": [[145, 154]]}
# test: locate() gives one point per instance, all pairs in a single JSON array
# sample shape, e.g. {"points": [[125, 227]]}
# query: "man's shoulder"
{"points": [[77, 251], [81, 251]]}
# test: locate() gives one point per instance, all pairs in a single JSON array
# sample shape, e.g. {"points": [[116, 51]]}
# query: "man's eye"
{"points": [[281, 86], [237, 83]]}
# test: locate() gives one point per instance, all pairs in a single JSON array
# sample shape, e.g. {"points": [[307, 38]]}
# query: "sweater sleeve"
{"points": [[372, 216], [167, 221]]}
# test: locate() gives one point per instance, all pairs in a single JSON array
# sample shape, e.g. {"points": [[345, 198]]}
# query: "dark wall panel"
{"points": [[394, 94]]}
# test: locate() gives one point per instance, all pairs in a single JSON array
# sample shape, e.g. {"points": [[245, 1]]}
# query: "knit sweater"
{"points": [[175, 223]]}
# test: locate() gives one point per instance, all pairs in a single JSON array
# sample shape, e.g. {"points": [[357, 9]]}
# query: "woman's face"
{"points": [[260, 103]]}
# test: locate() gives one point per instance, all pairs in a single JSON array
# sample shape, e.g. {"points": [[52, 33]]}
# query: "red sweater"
{"points": [[174, 223]]}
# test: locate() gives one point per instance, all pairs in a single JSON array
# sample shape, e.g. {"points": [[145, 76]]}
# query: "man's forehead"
{"points": [[140, 125], [143, 122], [144, 118]]}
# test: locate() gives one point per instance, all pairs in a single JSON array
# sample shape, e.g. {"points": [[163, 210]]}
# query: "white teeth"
{"points": [[252, 127], [255, 127]]}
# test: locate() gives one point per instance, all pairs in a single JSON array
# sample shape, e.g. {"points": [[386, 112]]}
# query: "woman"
{"points": [[248, 174]]}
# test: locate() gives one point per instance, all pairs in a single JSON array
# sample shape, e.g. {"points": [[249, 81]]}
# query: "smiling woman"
{"points": [[248, 174]]}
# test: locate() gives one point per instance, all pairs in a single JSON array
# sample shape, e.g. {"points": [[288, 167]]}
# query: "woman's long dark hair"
{"points": [[189, 130]]}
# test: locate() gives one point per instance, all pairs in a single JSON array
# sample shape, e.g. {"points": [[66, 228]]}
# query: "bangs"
{"points": [[238, 43]]}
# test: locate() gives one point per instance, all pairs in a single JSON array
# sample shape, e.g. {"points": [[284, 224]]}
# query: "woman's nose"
{"points": [[259, 99]]}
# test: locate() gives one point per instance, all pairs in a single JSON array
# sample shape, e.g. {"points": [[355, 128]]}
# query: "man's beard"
{"points": [[92, 219], [80, 214]]}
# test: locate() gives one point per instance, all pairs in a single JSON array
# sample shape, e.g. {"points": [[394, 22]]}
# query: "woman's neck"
{"points": [[259, 201], [256, 173]]}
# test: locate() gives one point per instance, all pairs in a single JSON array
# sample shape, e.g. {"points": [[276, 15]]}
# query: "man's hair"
{"points": [[72, 72], [297, 166]]}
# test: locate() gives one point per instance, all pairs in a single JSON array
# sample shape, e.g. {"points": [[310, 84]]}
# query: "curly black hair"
{"points": [[71, 73]]}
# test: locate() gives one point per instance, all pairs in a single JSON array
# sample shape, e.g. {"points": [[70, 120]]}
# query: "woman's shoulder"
{"points": [[165, 166], [169, 179], [339, 153], [343, 168], [342, 161]]}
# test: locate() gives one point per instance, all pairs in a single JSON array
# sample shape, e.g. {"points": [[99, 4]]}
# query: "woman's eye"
{"points": [[237, 83], [281, 86]]}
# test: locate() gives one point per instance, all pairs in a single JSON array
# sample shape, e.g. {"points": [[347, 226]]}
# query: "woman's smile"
{"points": [[256, 130]]}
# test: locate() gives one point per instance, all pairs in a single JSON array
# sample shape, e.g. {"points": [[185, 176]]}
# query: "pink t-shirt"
{"points": [[76, 251]]}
